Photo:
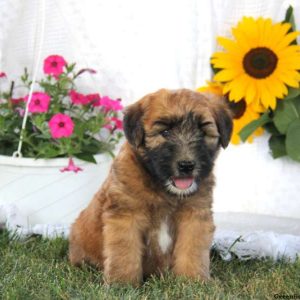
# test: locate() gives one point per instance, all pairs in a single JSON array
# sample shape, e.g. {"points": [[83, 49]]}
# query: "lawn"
{"points": [[37, 268]]}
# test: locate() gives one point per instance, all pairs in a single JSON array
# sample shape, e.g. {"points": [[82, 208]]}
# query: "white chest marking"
{"points": [[164, 239]]}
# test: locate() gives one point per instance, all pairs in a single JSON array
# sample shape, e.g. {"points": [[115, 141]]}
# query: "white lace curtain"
{"points": [[136, 46]]}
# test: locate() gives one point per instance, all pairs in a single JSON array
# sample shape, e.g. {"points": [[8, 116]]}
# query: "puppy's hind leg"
{"points": [[76, 256]]}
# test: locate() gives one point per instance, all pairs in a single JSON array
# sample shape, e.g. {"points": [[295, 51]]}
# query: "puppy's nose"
{"points": [[186, 166]]}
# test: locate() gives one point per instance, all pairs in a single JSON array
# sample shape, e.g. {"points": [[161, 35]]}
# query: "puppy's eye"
{"points": [[165, 133]]}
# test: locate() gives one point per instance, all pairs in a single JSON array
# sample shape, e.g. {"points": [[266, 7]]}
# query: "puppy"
{"points": [[153, 212]]}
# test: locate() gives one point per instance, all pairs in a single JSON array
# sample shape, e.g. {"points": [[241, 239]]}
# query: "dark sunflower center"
{"points": [[260, 62], [61, 124]]}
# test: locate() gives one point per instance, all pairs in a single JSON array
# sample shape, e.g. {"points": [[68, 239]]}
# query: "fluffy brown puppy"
{"points": [[153, 212]]}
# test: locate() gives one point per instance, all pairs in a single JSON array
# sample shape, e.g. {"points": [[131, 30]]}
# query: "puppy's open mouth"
{"points": [[182, 183], [182, 186]]}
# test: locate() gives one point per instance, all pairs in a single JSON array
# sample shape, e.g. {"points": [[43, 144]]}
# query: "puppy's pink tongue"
{"points": [[183, 183]]}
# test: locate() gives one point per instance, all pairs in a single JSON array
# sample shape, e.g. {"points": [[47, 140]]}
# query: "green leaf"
{"points": [[46, 151], [293, 140], [251, 127], [2, 122], [64, 83], [286, 112], [70, 67], [292, 93], [277, 146], [289, 17], [86, 157]]}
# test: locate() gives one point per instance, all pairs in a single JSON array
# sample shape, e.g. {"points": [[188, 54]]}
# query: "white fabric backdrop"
{"points": [[140, 46]]}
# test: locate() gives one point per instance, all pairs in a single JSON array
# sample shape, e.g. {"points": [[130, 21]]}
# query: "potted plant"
{"points": [[56, 143]]}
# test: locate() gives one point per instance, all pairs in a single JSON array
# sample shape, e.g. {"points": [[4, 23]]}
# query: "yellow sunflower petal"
{"points": [[251, 92], [290, 50], [240, 87], [287, 40], [228, 44], [291, 63], [242, 40], [267, 98], [256, 106], [276, 86], [225, 60], [278, 33], [290, 78], [226, 75], [227, 87], [212, 87], [222, 64]]}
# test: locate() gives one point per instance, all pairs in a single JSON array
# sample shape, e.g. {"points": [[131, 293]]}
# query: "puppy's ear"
{"points": [[222, 115], [133, 126], [224, 123]]}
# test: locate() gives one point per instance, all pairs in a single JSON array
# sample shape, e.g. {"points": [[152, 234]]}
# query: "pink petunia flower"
{"points": [[71, 167], [2, 75], [110, 104], [115, 123], [61, 126], [20, 111], [39, 102], [77, 98], [53, 65], [94, 99]]}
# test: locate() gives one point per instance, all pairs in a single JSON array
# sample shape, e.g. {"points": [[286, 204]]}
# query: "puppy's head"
{"points": [[177, 135]]}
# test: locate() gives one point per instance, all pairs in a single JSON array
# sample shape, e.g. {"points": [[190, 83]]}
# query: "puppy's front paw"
{"points": [[184, 266], [193, 273], [122, 274], [110, 279]]}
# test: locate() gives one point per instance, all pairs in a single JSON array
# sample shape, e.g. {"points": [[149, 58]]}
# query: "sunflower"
{"points": [[248, 116], [242, 114], [212, 87], [259, 63]]}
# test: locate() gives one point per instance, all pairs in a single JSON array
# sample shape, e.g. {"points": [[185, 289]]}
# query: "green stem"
{"points": [[11, 90]]}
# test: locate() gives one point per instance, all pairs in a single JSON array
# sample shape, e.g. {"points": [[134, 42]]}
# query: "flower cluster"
{"points": [[62, 122], [258, 73]]}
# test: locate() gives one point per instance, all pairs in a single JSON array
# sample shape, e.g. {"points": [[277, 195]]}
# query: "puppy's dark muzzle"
{"points": [[186, 166]]}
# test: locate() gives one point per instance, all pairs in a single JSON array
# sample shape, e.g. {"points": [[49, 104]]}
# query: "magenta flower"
{"points": [[77, 98], [53, 65], [61, 126], [16, 101], [20, 111], [94, 99], [71, 167], [110, 104], [2, 75], [118, 123], [39, 102], [115, 123]]}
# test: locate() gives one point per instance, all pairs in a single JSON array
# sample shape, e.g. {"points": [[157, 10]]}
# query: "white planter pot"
{"points": [[43, 194]]}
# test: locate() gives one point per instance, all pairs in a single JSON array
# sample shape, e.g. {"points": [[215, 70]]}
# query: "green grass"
{"points": [[39, 269]]}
